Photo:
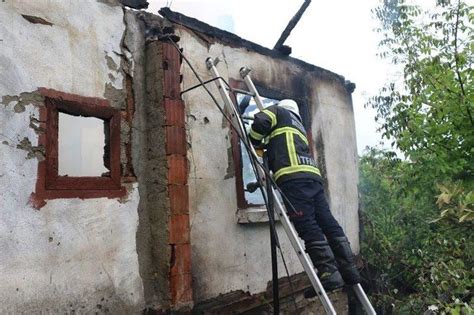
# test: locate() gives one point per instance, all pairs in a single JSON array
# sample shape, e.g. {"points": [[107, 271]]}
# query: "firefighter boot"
{"points": [[345, 260], [323, 259]]}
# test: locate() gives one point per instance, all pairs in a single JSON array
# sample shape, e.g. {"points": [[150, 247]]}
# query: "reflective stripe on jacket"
{"points": [[288, 150]]}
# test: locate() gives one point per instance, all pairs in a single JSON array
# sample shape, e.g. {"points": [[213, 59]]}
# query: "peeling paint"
{"points": [[114, 90], [7, 99], [34, 124], [19, 108], [24, 99], [33, 151], [33, 98], [128, 195], [111, 63], [116, 97]]}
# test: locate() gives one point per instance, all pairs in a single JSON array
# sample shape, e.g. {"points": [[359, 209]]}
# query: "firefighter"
{"points": [[295, 172]]}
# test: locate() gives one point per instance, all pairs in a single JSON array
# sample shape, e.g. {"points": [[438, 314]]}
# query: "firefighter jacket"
{"points": [[287, 146]]}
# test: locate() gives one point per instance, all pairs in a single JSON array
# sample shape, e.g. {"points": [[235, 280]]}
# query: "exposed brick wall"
{"points": [[179, 229]]}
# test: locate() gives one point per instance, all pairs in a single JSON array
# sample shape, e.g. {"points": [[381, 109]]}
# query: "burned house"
{"points": [[123, 192]]}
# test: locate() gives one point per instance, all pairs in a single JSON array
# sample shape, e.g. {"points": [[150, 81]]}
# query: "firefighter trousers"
{"points": [[312, 219]]}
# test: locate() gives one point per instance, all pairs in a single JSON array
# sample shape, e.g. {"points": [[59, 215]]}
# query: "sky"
{"points": [[336, 35]]}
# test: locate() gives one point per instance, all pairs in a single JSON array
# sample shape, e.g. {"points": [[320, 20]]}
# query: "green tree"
{"points": [[428, 113], [418, 211], [418, 253]]}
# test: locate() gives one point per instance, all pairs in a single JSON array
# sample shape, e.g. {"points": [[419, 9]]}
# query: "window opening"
{"points": [[82, 144], [249, 108], [83, 149]]}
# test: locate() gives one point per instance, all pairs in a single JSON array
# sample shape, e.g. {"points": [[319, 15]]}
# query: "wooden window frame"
{"points": [[51, 185]]}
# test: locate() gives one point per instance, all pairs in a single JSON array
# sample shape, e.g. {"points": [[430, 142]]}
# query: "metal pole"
{"points": [[244, 73], [211, 66], [271, 221], [363, 299]]}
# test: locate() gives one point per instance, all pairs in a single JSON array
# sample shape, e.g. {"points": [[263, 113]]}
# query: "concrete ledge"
{"points": [[253, 215]]}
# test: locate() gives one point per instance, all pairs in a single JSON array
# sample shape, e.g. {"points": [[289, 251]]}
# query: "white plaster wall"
{"points": [[227, 256], [334, 119], [68, 56], [71, 254]]}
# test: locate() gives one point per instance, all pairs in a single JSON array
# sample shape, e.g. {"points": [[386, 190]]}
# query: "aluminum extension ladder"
{"points": [[279, 208]]}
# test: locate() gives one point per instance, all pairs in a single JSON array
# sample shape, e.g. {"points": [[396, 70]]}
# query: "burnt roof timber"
{"points": [[291, 25]]}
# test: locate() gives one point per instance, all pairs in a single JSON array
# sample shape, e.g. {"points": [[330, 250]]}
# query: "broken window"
{"points": [[249, 108], [82, 145]]}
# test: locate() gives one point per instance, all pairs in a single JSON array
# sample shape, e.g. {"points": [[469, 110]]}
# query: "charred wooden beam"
{"points": [[291, 25]]}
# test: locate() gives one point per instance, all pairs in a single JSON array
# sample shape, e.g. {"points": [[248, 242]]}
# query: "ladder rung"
{"points": [[241, 91]]}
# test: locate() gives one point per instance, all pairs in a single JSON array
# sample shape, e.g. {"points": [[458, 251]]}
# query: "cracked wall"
{"points": [[72, 254]]}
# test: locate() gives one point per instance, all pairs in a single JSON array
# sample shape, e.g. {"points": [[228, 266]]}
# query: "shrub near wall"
{"points": [[418, 246]]}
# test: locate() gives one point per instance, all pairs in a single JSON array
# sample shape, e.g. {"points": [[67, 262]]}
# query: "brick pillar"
{"points": [[179, 230]]}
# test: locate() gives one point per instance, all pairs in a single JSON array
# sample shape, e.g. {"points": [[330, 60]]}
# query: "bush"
{"points": [[418, 251]]}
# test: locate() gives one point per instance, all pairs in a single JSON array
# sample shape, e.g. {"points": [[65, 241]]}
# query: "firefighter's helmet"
{"points": [[290, 105]]}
